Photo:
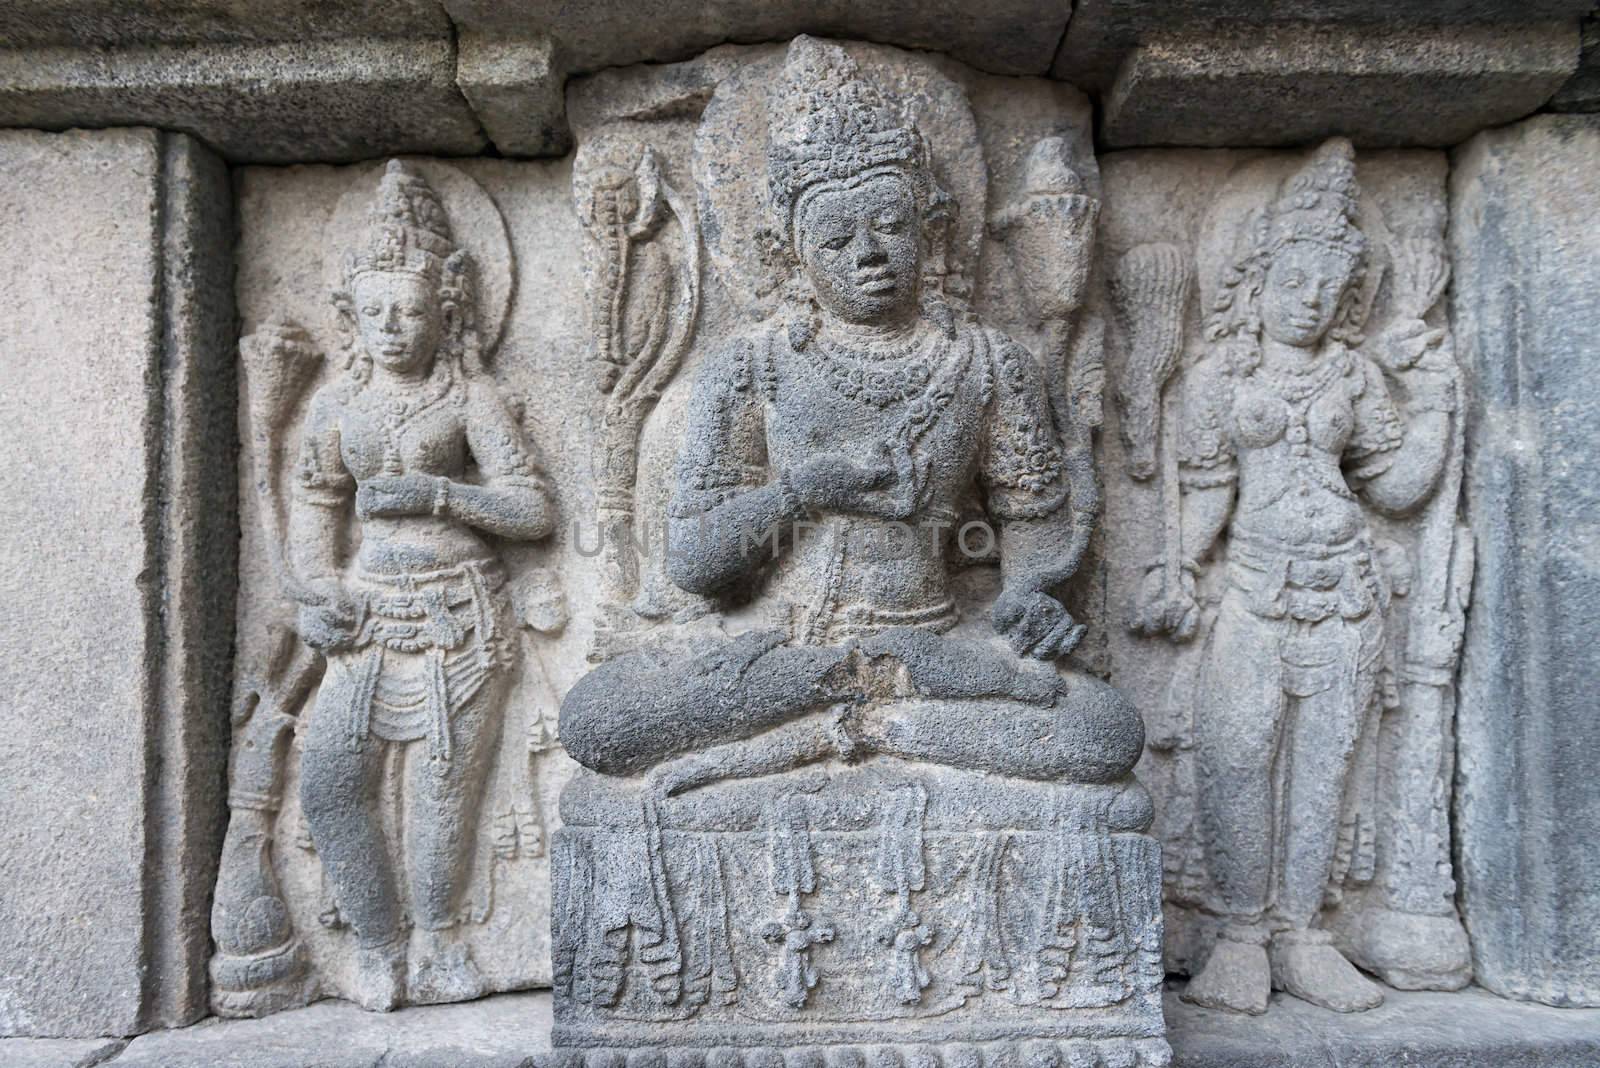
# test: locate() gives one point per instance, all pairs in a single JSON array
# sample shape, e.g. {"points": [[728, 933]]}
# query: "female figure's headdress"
{"points": [[407, 228], [409, 231], [1320, 205]]}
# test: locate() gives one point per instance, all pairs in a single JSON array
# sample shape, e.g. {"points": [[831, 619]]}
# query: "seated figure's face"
{"points": [[399, 318], [861, 248], [1303, 287]]}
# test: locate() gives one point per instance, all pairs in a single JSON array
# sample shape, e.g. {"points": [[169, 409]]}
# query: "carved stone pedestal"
{"points": [[880, 914]]}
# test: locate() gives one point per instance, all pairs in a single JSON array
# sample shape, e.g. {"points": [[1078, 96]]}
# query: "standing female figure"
{"points": [[1288, 436], [415, 629]]}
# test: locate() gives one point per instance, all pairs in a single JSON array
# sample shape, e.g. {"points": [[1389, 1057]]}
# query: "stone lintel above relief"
{"points": [[330, 100], [1288, 85], [1003, 36], [1103, 32]]}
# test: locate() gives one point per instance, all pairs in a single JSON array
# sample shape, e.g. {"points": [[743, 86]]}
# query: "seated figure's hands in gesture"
{"points": [[1035, 624], [833, 482]]}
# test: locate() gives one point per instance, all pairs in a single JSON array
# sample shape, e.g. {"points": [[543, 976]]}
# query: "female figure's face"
{"points": [[399, 318], [1303, 287], [861, 249]]}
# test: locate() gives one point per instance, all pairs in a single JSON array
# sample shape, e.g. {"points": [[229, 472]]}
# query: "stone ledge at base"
{"points": [[1471, 1029]]}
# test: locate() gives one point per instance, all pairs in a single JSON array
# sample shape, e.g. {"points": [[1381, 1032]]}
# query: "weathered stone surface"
{"points": [[1471, 1029], [1582, 90], [1006, 36], [58, 1052], [515, 88], [118, 575], [509, 1031], [1468, 1029], [1526, 298], [1103, 32], [113, 23], [1281, 502], [1290, 84], [254, 101]]}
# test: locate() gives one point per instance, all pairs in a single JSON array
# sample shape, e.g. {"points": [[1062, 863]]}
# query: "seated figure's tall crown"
{"points": [[407, 228], [827, 124]]}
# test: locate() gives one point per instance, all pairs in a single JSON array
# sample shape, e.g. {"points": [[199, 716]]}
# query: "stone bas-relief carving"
{"points": [[389, 475], [828, 814], [1291, 435]]}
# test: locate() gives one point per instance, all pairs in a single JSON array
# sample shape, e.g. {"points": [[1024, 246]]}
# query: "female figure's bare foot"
{"points": [[444, 972], [1305, 964], [1236, 978], [380, 976]]}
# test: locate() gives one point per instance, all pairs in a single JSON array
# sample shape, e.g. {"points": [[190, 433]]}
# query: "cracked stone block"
{"points": [[116, 572], [515, 88], [1526, 299]]}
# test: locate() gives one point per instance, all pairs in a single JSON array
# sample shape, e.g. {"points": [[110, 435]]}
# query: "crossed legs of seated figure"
{"points": [[1260, 749], [340, 791], [756, 706]]}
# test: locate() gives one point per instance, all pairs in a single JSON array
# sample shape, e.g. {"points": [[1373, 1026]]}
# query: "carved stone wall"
{"points": [[357, 646]]}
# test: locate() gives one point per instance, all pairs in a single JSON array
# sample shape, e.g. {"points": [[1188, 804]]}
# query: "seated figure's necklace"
{"points": [[880, 373]]}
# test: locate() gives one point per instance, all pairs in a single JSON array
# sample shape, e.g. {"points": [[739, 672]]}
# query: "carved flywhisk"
{"points": [[1150, 288]]}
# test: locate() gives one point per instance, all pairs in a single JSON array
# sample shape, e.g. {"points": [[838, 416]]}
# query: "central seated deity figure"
{"points": [[851, 816]]}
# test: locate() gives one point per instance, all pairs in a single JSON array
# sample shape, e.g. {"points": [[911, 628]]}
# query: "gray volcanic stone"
{"points": [[110, 23], [1464, 1030], [1524, 200], [118, 570], [268, 102], [515, 88], [1376, 84], [1102, 32], [1470, 1029], [508, 1031], [1003, 36], [1582, 91]]}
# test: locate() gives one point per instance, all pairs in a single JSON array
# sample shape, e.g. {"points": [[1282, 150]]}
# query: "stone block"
{"points": [[1378, 85], [1526, 300], [118, 574], [509, 1031], [1102, 32], [114, 23], [515, 88], [1582, 90], [1004, 37], [264, 102]]}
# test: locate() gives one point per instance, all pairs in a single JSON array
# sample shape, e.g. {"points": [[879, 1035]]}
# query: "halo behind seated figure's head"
{"points": [[408, 232]]}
